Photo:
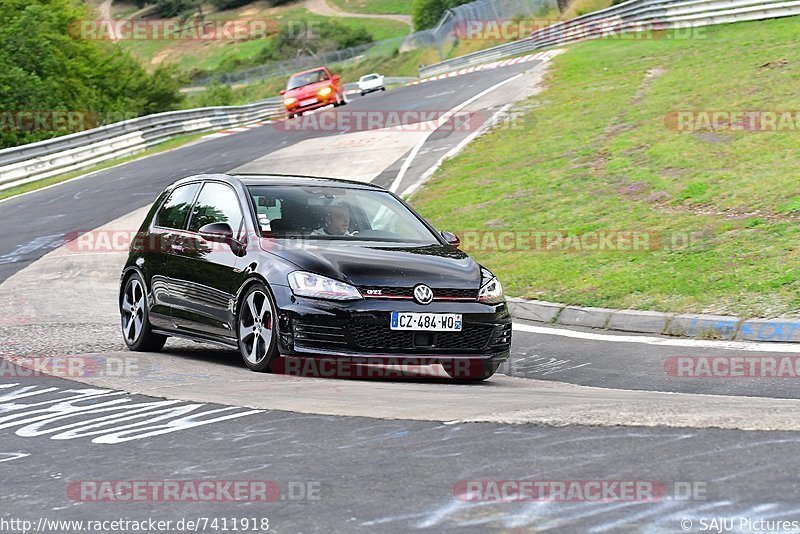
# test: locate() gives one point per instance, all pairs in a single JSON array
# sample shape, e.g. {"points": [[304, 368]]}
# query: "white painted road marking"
{"points": [[751, 346], [122, 420], [441, 121]]}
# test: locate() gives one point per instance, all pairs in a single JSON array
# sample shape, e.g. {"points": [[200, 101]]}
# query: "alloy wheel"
{"points": [[255, 327], [133, 307]]}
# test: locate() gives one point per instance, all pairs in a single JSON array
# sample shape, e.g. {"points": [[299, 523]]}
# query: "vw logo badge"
{"points": [[423, 294]]}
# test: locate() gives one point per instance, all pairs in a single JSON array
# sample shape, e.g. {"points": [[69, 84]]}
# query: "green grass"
{"points": [[594, 152], [38, 184], [380, 7]]}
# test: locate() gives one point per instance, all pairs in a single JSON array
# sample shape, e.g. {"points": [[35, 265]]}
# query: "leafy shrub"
{"points": [[44, 68]]}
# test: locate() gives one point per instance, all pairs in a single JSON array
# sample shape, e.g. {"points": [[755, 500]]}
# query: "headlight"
{"points": [[321, 287], [492, 292], [325, 91], [289, 101]]}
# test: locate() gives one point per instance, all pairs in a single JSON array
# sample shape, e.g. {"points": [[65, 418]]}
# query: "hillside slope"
{"points": [[601, 150]]}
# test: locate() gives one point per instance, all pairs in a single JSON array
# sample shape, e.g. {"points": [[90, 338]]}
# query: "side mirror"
{"points": [[219, 232], [283, 92], [336, 78], [451, 238]]}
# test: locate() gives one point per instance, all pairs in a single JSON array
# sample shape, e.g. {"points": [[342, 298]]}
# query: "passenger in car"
{"points": [[336, 222]]}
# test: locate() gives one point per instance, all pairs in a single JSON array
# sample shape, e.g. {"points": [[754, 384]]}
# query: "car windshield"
{"points": [[369, 77], [336, 213], [306, 78]]}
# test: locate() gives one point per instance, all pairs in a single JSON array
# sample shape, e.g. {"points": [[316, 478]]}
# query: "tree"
{"points": [[426, 13], [45, 67]]}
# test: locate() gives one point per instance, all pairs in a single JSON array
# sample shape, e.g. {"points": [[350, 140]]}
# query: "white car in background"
{"points": [[371, 82]]}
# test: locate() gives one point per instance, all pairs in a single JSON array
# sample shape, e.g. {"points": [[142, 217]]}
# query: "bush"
{"points": [[323, 36], [426, 13], [230, 4], [215, 95], [43, 69]]}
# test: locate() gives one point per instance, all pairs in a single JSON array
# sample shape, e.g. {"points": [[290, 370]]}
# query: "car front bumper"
{"points": [[370, 89], [321, 102], [359, 330]]}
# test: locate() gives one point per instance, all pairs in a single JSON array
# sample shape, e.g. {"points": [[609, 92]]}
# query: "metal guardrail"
{"points": [[630, 16], [34, 161]]}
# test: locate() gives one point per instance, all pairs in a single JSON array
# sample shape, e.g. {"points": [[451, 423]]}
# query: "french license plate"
{"points": [[308, 102], [426, 322]]}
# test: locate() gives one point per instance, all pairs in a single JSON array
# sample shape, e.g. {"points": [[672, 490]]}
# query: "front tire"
{"points": [[257, 333], [135, 316]]}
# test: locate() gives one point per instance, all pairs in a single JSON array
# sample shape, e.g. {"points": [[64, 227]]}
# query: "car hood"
{"points": [[383, 264], [306, 91]]}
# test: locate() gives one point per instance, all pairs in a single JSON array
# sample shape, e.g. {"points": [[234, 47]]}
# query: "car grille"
{"points": [[408, 292], [370, 336], [376, 336]]}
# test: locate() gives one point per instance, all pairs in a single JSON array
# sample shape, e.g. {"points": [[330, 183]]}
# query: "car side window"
{"points": [[217, 203], [268, 209], [174, 211]]}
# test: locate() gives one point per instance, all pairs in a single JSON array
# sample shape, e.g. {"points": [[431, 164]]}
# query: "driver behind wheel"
{"points": [[335, 223]]}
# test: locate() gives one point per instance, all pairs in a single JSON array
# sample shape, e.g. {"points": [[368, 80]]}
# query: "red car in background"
{"points": [[312, 89]]}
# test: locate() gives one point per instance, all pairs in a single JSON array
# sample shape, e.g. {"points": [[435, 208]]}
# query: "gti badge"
{"points": [[423, 294]]}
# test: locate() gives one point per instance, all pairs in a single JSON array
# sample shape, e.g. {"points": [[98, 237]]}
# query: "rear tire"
{"points": [[135, 318], [257, 333], [471, 371]]}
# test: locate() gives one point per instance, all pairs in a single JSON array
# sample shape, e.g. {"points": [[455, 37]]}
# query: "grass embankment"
{"points": [[378, 7], [209, 56], [595, 153]]}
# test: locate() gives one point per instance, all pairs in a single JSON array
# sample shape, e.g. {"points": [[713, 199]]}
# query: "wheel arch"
{"points": [[253, 279], [127, 272]]}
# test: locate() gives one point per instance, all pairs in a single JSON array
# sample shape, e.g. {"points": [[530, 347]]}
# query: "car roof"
{"points": [[250, 179]]}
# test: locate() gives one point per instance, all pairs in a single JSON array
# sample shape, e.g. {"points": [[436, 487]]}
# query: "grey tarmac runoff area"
{"points": [[384, 453]]}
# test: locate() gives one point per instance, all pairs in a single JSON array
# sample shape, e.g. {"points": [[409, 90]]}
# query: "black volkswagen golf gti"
{"points": [[312, 267]]}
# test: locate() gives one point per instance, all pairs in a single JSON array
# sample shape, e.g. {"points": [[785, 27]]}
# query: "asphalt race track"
{"points": [[383, 453]]}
